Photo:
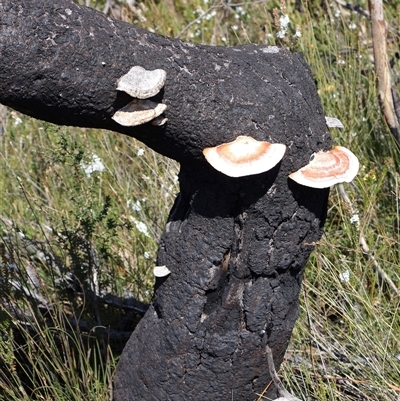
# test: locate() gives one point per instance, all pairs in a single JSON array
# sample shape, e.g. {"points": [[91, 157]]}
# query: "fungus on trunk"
{"points": [[138, 112], [328, 168], [244, 156], [142, 84]]}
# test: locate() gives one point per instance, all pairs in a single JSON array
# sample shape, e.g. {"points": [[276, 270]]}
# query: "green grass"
{"points": [[65, 231]]}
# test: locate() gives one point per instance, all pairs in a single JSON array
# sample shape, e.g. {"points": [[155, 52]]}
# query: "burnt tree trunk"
{"points": [[236, 247]]}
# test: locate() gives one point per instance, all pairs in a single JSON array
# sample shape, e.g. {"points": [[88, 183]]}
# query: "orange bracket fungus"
{"points": [[328, 168], [244, 156]]}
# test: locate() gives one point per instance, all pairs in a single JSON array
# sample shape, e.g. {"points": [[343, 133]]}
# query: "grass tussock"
{"points": [[82, 211]]}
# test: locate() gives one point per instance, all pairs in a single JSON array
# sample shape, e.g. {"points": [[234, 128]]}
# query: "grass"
{"points": [[67, 229]]}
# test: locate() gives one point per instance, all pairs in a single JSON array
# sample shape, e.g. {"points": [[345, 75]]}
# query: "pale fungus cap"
{"points": [[141, 83], [161, 271], [328, 168], [333, 122], [244, 156], [138, 112]]}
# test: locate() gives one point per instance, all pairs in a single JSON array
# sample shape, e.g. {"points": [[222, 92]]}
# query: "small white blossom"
{"points": [[297, 34], [354, 219], [140, 152], [337, 13], [211, 15], [352, 26], [17, 121], [344, 277], [95, 165], [135, 206], [140, 226], [146, 255], [284, 21]]}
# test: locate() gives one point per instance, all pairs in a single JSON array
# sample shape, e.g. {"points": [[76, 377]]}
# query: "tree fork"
{"points": [[236, 247]]}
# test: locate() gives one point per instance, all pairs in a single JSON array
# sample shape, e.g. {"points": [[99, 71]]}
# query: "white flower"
{"points": [[146, 255], [135, 206], [140, 226], [17, 121], [140, 152], [344, 277], [95, 165], [355, 219], [337, 13], [352, 26], [297, 34], [284, 21]]}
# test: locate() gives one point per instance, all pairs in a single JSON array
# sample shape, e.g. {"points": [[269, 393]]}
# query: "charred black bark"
{"points": [[236, 247]]}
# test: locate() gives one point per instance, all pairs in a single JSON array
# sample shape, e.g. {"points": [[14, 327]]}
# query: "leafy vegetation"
{"points": [[82, 212]]}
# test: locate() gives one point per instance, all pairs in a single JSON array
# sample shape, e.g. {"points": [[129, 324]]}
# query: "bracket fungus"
{"points": [[333, 122], [138, 112], [244, 156], [141, 83], [328, 168], [161, 271]]}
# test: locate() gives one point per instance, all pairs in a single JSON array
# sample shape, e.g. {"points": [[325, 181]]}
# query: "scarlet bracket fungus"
{"points": [[161, 271], [141, 83], [244, 156], [328, 168], [138, 112]]}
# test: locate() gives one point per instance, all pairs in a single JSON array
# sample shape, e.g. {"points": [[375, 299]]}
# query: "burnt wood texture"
{"points": [[236, 247]]}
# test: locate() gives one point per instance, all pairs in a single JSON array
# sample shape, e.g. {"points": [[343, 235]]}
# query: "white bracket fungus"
{"points": [[161, 271], [328, 168], [141, 83], [333, 122], [244, 156], [138, 112]]}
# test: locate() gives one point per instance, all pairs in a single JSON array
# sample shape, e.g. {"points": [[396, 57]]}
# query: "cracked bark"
{"points": [[236, 247]]}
